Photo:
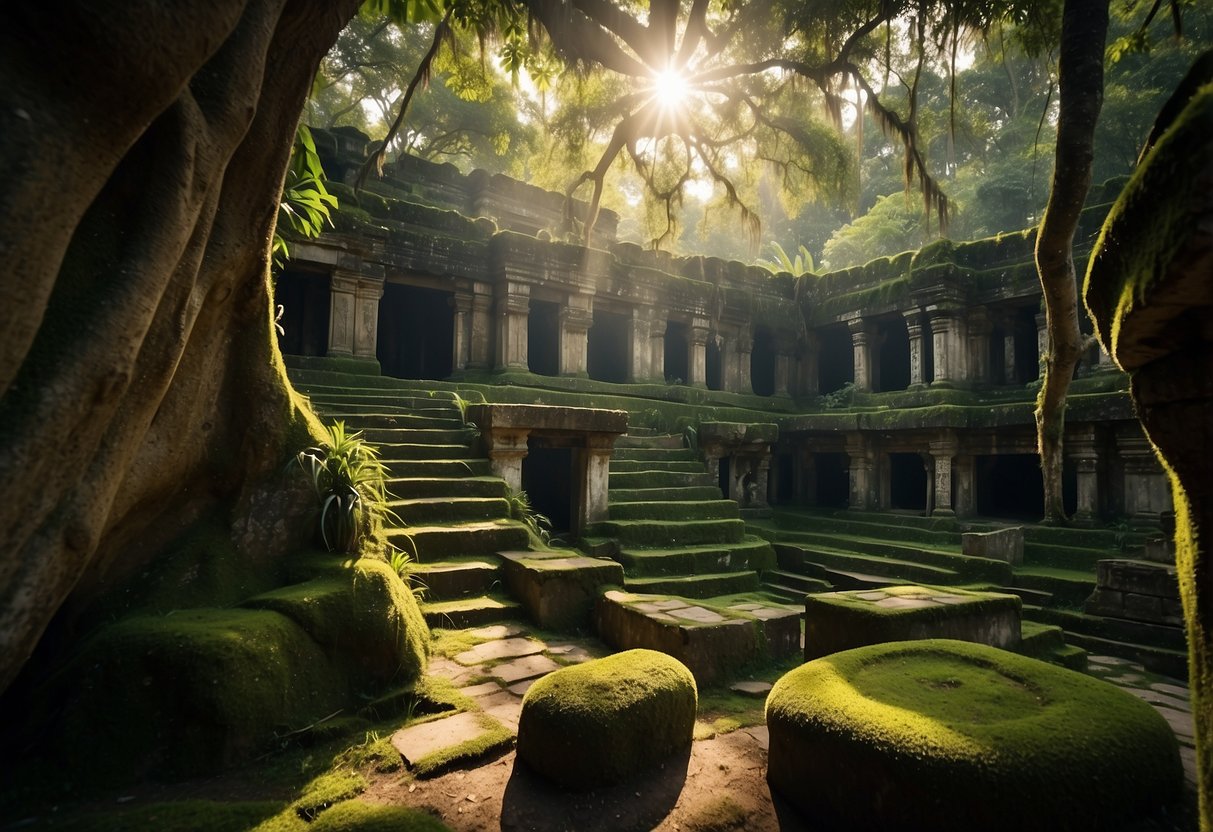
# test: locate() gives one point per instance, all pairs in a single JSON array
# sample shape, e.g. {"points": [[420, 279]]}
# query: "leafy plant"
{"points": [[522, 511], [306, 204], [802, 264], [842, 397], [348, 478]]}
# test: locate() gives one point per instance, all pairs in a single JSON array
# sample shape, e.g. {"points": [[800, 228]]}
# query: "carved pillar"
{"points": [[640, 345], [507, 448], [913, 319], [763, 477], [942, 451], [1008, 350], [946, 335], [727, 343], [576, 318], [862, 358], [979, 328], [1042, 340], [480, 339], [513, 309], [597, 475], [1081, 447], [964, 482], [861, 464], [745, 349], [697, 346], [657, 346], [343, 290], [366, 317], [461, 303]]}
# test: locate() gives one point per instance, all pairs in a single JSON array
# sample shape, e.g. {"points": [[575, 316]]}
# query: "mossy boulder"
{"points": [[188, 693], [943, 735], [363, 616], [607, 720]]}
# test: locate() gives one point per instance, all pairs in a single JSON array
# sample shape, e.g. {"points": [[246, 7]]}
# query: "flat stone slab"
{"points": [[417, 742], [756, 689], [521, 688], [509, 648], [699, 615], [527, 667], [481, 690], [495, 631], [836, 621], [457, 673], [1174, 690]]}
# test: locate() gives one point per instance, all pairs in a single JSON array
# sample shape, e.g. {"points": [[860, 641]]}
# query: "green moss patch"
{"points": [[942, 734], [607, 720], [358, 816], [327, 790], [179, 816]]}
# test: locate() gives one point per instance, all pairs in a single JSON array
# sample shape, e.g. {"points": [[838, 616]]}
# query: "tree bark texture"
{"points": [[139, 384], [1084, 30]]}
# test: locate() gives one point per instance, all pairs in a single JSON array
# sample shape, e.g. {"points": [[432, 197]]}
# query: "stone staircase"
{"points": [[669, 526], [454, 512]]}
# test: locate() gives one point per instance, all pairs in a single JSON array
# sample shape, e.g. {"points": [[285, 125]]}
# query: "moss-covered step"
{"points": [[670, 532], [674, 510], [408, 488], [968, 567], [1158, 648], [1047, 643], [471, 611], [695, 586], [688, 466], [714, 641], [429, 510], [750, 553], [960, 736], [446, 580], [399, 468], [837, 621], [646, 450], [360, 816], [558, 589], [401, 418], [419, 451], [1067, 586], [607, 720], [686, 493], [434, 745], [901, 527], [1066, 557], [659, 479], [855, 562], [460, 540], [638, 437], [396, 437], [792, 586]]}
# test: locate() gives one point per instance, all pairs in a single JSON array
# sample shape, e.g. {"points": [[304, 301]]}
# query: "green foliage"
{"points": [[781, 262], [306, 204], [521, 509], [348, 478]]}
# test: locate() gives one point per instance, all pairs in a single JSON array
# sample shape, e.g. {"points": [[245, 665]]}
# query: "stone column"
{"points": [[745, 349], [576, 318], [949, 350], [697, 353], [657, 346], [884, 482], [343, 290], [979, 327], [366, 317], [785, 350], [763, 478], [913, 319], [1081, 447], [507, 448], [640, 345], [480, 338], [861, 496], [862, 358], [728, 361], [942, 451], [1008, 350], [513, 309], [1042, 340], [964, 478], [597, 478], [461, 303], [809, 366]]}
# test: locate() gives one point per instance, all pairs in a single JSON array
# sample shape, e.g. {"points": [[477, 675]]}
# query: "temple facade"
{"points": [[904, 384]]}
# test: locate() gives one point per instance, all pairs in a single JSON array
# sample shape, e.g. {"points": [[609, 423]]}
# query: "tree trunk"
{"points": [[139, 375], [1084, 30]]}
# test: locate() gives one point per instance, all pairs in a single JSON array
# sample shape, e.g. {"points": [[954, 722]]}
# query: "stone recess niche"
{"points": [[836, 621]]}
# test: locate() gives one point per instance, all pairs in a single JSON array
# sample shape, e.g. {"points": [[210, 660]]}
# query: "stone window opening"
{"points": [[892, 367], [833, 487], [909, 482], [416, 332], [608, 347], [835, 359], [714, 370], [543, 338], [677, 353], [302, 302], [762, 363]]}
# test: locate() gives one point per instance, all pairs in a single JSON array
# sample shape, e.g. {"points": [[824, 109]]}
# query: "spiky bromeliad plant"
{"points": [[348, 478]]}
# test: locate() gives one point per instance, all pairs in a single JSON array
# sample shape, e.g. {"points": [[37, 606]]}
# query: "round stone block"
{"points": [[606, 720], [949, 735]]}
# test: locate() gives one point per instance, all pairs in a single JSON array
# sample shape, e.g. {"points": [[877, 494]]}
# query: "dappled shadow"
{"points": [[532, 802]]}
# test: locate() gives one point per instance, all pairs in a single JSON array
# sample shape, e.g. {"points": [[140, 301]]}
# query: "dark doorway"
{"points": [[762, 363], [722, 477], [907, 482], [607, 347], [1027, 350], [1010, 486], [547, 478], [835, 359], [893, 358], [784, 469], [712, 366], [676, 358], [833, 480], [304, 298], [543, 338], [416, 332]]}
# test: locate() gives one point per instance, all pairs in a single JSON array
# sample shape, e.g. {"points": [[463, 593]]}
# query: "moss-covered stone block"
{"points": [[835, 621], [188, 693], [558, 589], [948, 735], [363, 615], [359, 816], [607, 720]]}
